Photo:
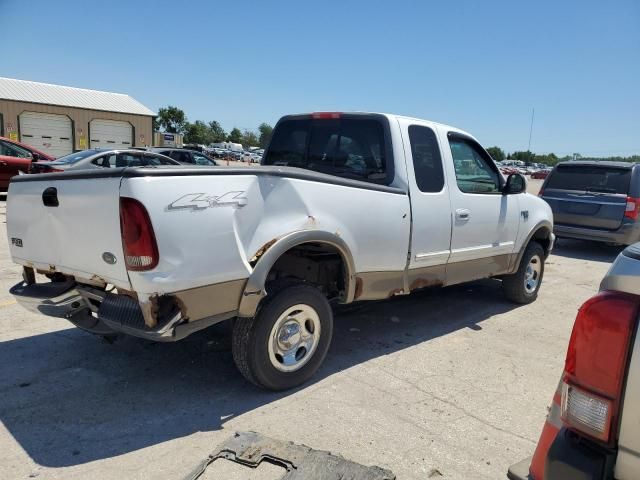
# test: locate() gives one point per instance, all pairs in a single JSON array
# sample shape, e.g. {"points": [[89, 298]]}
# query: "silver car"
{"points": [[102, 158]]}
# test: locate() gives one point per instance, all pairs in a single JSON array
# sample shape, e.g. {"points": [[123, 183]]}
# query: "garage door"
{"points": [[47, 132], [110, 134]]}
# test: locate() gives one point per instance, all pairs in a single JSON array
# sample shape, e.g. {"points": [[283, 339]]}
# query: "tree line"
{"points": [[550, 159], [172, 119]]}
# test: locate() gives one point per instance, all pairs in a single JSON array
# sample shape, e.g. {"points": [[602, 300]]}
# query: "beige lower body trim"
{"points": [[378, 285], [468, 270], [210, 300], [381, 285]]}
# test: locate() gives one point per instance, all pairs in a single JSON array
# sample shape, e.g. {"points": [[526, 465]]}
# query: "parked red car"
{"points": [[16, 156], [541, 174]]}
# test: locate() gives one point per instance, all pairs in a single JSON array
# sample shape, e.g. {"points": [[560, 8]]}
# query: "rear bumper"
{"points": [[112, 312], [626, 235], [570, 457], [55, 299]]}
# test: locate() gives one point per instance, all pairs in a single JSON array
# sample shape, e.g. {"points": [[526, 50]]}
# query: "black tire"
{"points": [[251, 338], [514, 285]]}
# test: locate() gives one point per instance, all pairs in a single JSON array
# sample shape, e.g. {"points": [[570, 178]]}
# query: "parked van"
{"points": [[595, 201]]}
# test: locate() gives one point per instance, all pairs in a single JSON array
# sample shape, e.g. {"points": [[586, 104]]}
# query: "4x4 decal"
{"points": [[200, 201]]}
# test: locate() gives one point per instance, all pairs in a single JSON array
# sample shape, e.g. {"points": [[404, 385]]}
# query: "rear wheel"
{"points": [[283, 346], [522, 286]]}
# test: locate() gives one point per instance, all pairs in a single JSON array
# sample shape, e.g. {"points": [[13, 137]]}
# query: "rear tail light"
{"points": [[138, 239], [326, 115], [632, 208], [596, 364], [586, 411], [588, 397]]}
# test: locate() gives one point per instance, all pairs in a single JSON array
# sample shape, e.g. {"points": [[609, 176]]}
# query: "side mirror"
{"points": [[516, 183], [35, 156]]}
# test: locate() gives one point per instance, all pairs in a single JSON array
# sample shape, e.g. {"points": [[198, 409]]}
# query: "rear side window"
{"points": [[10, 150], [587, 178], [345, 147], [184, 157], [199, 159], [150, 159], [427, 162]]}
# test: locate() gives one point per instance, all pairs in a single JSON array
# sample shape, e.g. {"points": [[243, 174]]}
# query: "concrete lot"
{"points": [[452, 382]]}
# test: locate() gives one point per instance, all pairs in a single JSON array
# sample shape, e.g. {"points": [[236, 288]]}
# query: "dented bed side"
{"points": [[214, 232]]}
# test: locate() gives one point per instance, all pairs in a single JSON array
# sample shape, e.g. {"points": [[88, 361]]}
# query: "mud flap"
{"points": [[301, 462]]}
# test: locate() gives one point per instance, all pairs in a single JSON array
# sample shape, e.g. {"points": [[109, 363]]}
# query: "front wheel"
{"points": [[283, 346], [522, 287]]}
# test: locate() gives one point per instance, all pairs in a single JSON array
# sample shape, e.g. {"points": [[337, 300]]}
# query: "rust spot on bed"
{"points": [[358, 293], [425, 283], [181, 306], [150, 311], [261, 251], [128, 293]]}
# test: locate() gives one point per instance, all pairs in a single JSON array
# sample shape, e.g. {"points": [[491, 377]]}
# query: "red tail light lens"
{"points": [[596, 364], [632, 208], [326, 115], [138, 239]]}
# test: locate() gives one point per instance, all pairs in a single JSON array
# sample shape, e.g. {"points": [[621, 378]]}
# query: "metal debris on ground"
{"points": [[301, 462]]}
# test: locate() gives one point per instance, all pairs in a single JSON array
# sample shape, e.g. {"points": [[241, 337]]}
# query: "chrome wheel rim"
{"points": [[532, 274], [294, 338]]}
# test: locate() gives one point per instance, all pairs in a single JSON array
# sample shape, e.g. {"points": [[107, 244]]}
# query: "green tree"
{"points": [[249, 139], [217, 132], [235, 135], [198, 132], [171, 120], [265, 134], [496, 153]]}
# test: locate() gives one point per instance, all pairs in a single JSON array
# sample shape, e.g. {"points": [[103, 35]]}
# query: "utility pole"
{"points": [[533, 111]]}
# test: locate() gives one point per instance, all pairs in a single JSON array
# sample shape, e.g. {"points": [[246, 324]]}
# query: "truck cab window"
{"points": [[473, 172], [344, 147], [427, 163]]}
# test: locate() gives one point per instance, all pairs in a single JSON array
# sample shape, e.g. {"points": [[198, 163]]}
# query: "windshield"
{"points": [[351, 148], [589, 178], [76, 157]]}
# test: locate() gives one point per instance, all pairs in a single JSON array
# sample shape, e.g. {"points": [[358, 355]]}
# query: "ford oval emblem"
{"points": [[109, 258]]}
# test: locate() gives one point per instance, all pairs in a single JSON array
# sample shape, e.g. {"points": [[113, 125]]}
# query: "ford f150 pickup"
{"points": [[345, 207]]}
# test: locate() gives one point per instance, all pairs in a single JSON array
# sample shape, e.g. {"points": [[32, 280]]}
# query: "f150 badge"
{"points": [[200, 201]]}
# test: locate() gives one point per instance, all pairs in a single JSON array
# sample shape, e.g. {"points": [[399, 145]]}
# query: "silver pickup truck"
{"points": [[592, 430], [344, 208]]}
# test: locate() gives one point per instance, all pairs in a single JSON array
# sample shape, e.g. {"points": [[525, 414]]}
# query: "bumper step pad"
{"points": [[301, 462], [122, 310]]}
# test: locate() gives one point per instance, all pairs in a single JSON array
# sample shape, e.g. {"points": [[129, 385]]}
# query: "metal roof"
{"points": [[36, 92]]}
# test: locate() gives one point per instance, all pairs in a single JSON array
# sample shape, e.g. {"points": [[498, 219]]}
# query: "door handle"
{"points": [[463, 214], [3, 163]]}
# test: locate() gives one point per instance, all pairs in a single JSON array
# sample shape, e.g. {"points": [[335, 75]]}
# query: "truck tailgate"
{"points": [[73, 236]]}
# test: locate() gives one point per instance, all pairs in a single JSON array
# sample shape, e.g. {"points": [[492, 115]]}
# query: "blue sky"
{"points": [[478, 65]]}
